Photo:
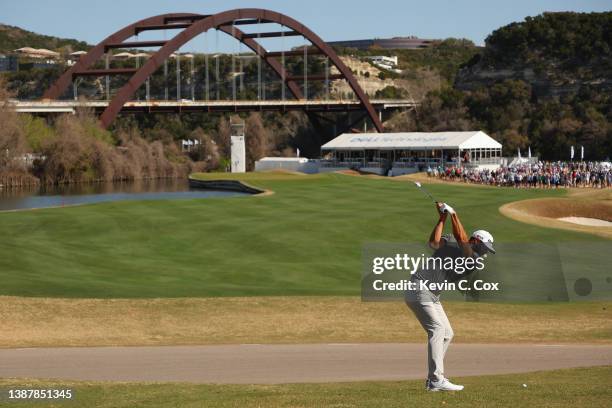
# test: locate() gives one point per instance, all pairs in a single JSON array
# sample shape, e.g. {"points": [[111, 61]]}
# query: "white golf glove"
{"points": [[445, 208]]}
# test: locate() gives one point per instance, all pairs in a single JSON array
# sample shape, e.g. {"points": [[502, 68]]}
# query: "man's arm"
{"points": [[461, 236], [436, 234]]}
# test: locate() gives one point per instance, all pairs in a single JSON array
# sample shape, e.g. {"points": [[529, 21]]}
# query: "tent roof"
{"points": [[37, 51], [412, 141]]}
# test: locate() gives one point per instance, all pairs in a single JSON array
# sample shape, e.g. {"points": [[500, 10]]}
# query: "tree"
{"points": [[257, 139], [222, 137], [36, 130], [402, 121], [444, 111], [12, 137], [69, 156], [513, 140], [206, 151], [391, 92]]}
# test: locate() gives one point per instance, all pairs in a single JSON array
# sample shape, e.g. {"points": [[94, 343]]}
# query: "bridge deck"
{"points": [[154, 106]]}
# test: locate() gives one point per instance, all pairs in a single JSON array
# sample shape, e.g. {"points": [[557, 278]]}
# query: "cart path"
{"points": [[297, 363]]}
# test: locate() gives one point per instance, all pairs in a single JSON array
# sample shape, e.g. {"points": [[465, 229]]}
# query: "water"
{"points": [[88, 193]]}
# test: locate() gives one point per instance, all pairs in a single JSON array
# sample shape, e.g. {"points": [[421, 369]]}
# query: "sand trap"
{"points": [[577, 214], [591, 222]]}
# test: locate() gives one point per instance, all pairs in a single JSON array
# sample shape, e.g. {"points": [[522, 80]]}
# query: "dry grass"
{"points": [[31, 322]]}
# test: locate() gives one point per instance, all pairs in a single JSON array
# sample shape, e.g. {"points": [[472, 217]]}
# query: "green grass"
{"points": [[305, 239], [583, 387]]}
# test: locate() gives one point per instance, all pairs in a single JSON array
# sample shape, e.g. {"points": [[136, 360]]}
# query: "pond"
{"points": [[88, 193]]}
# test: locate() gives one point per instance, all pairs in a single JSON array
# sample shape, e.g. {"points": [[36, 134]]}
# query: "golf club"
{"points": [[420, 186]]}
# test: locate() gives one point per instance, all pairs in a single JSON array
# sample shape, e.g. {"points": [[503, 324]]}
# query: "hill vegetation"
{"points": [[574, 39], [12, 38], [544, 83], [444, 57], [556, 53]]}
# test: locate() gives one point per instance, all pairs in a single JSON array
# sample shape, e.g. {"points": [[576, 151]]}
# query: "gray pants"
{"points": [[432, 317]]}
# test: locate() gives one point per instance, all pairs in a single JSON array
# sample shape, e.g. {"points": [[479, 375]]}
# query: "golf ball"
{"points": [[524, 385]]}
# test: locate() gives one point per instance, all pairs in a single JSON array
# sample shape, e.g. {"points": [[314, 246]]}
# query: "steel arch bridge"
{"points": [[191, 26]]}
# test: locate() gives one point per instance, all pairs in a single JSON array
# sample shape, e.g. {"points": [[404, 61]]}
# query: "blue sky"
{"points": [[92, 21]]}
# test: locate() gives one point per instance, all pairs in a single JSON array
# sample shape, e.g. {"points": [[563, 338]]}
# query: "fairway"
{"points": [[582, 387], [305, 239]]}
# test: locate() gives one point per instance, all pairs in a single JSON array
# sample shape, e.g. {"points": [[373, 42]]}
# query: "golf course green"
{"points": [[304, 239]]}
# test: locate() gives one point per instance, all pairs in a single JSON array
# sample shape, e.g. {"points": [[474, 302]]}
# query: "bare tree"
{"points": [[222, 137], [257, 139], [206, 151], [12, 137]]}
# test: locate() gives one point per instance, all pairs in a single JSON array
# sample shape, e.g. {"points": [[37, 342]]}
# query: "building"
{"points": [[8, 63], [300, 164], [391, 62], [123, 56], [384, 62], [37, 53], [410, 152], [74, 57], [30, 58], [398, 43], [77, 54]]}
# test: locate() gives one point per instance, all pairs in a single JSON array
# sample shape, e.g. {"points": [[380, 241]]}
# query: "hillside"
{"points": [[12, 37], [542, 83], [423, 70], [555, 53]]}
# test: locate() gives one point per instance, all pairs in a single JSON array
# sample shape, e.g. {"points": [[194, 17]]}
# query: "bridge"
{"points": [[163, 106], [297, 91]]}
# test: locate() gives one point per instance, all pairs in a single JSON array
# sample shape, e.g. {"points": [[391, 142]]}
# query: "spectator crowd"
{"points": [[532, 175]]}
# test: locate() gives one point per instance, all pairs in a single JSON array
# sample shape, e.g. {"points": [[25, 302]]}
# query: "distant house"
{"points": [[77, 54], [36, 57], [382, 61], [123, 56], [38, 53], [74, 57], [128, 55], [8, 63]]}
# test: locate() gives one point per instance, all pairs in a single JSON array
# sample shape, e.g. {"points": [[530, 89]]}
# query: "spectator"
{"points": [[532, 175]]}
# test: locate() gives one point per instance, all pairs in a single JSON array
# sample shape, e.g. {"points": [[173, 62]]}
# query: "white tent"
{"points": [[410, 151]]}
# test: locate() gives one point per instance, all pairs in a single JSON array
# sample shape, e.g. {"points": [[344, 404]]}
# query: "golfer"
{"points": [[426, 304]]}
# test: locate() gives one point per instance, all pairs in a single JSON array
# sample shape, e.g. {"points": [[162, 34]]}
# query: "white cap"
{"points": [[485, 237]]}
